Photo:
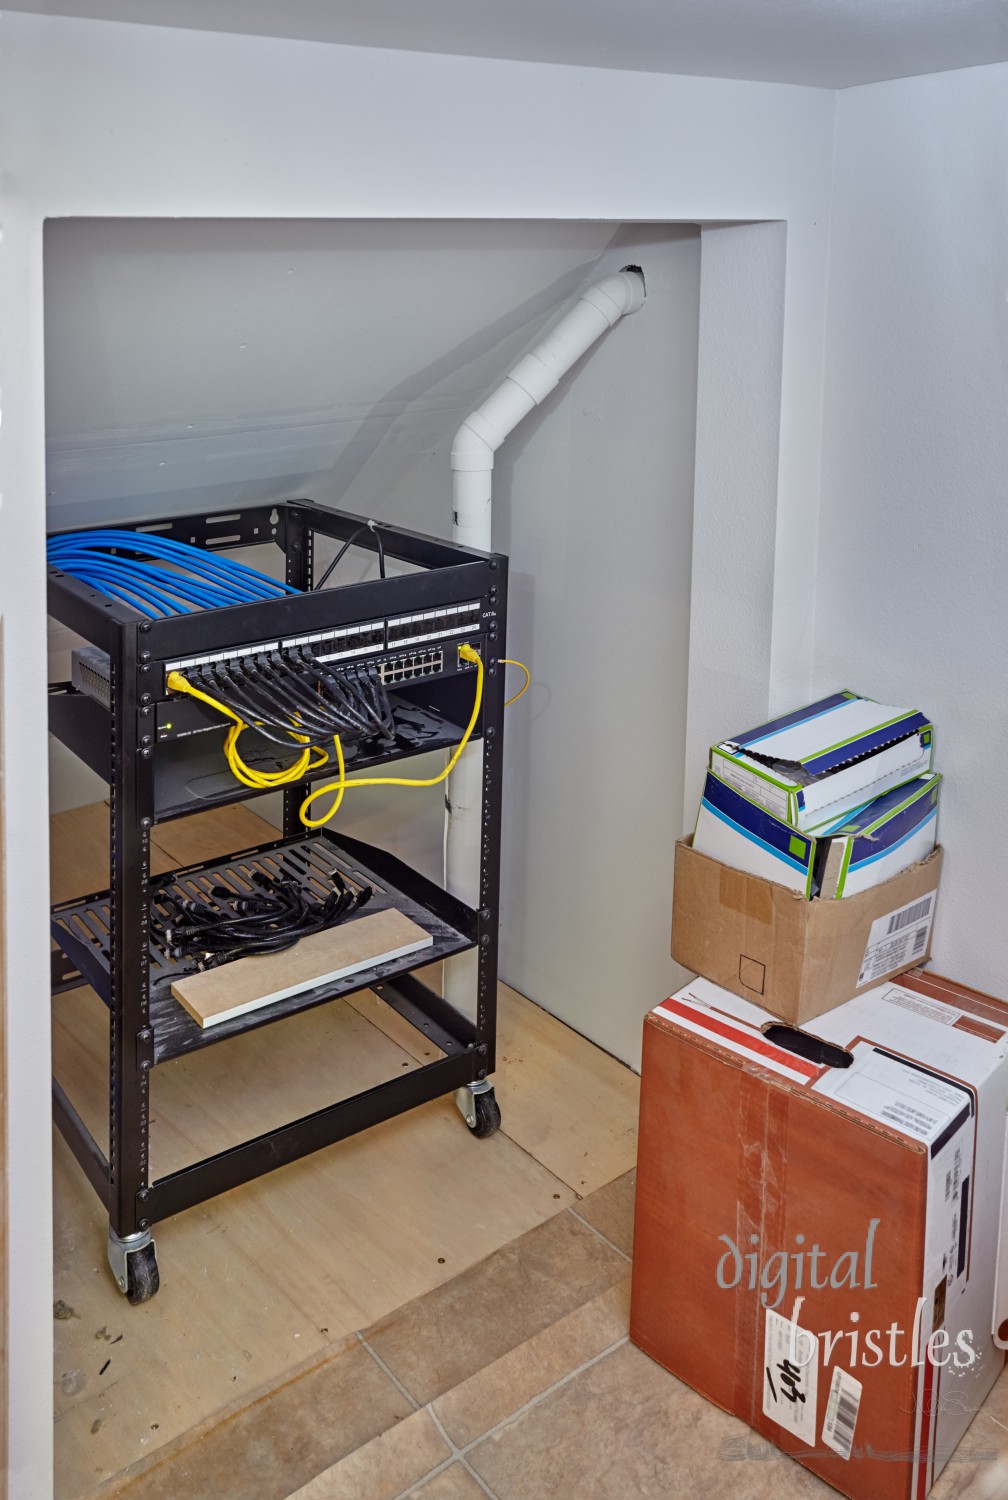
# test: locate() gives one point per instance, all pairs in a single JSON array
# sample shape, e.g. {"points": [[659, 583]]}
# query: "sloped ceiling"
{"points": [[216, 362], [829, 43]]}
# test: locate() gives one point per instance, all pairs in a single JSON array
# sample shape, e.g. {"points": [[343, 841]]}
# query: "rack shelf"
{"points": [[162, 757], [82, 929]]}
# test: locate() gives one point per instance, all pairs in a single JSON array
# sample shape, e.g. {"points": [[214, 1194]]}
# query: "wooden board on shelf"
{"points": [[249, 983]]}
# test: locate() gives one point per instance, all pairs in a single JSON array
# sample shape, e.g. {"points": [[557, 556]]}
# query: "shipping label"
{"points": [[790, 1376], [898, 939]]}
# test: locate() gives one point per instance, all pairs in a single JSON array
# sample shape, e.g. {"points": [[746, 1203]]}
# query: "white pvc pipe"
{"points": [[531, 380], [472, 458]]}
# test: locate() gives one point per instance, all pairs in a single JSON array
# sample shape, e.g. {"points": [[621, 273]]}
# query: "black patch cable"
{"points": [[347, 683], [229, 925], [287, 674]]}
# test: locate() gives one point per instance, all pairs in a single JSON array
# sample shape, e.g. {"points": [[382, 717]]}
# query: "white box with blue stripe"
{"points": [[839, 857], [826, 759]]}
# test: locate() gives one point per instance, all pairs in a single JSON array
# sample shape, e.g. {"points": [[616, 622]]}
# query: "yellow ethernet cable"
{"points": [[467, 653], [510, 661], [267, 780], [258, 780]]}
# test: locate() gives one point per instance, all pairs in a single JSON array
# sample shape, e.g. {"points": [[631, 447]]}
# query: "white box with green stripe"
{"points": [[826, 759], [841, 856]]}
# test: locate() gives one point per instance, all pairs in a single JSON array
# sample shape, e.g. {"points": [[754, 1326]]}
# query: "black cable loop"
{"points": [[228, 924]]}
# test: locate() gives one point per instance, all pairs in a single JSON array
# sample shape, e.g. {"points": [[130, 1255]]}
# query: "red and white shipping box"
{"points": [[817, 1221]]}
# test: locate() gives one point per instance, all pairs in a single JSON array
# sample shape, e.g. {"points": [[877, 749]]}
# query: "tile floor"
{"points": [[494, 1362], [514, 1380]]}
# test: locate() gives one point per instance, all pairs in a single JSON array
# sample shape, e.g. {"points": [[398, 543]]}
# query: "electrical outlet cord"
{"points": [[271, 916]]}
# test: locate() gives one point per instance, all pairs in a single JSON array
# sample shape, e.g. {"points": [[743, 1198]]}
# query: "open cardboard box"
{"points": [[794, 957]]}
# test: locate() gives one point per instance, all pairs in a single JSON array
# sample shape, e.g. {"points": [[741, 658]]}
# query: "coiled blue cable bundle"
{"points": [[169, 578]]}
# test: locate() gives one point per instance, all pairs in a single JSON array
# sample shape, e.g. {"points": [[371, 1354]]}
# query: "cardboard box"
{"points": [[828, 1276], [795, 957], [838, 858], [827, 758]]}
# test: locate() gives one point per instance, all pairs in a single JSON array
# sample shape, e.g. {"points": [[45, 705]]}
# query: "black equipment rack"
{"points": [[411, 625]]}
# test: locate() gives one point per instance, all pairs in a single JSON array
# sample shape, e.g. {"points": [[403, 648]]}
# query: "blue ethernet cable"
{"points": [[196, 559], [168, 578], [193, 558]]}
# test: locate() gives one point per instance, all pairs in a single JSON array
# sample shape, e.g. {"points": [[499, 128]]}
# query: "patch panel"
{"points": [[352, 640], [432, 624], [365, 639], [414, 664], [211, 656], [329, 645]]}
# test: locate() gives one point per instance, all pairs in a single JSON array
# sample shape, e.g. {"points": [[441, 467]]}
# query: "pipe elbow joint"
{"points": [[470, 450], [617, 295]]}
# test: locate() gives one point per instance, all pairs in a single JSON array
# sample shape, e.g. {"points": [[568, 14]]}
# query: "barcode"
{"points": [[948, 1186], [919, 942], [909, 914], [843, 1424], [842, 1407]]}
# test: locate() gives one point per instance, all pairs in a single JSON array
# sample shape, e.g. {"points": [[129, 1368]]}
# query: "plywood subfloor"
{"points": [[569, 1104], [79, 844], [274, 1274]]}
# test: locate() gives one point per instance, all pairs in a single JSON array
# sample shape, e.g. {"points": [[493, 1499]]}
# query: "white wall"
{"points": [[735, 529], [24, 939], [214, 363], [114, 120], [594, 504], [913, 555]]}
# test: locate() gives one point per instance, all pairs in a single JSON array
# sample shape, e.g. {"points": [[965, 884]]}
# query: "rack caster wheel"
{"points": [[478, 1106], [134, 1266], [142, 1276], [488, 1115]]}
